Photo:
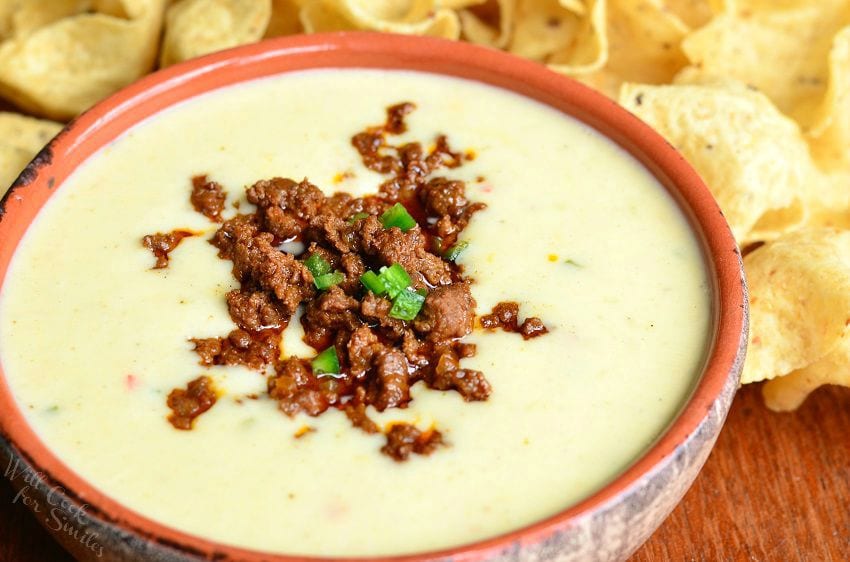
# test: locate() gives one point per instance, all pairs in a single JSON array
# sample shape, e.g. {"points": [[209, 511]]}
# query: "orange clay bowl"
{"points": [[610, 524]]}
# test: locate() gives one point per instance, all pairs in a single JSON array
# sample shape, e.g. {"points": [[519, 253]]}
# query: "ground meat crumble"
{"points": [[207, 198], [186, 405], [505, 315], [377, 347], [162, 244]]}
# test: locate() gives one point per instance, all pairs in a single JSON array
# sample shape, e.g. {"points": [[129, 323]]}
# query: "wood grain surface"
{"points": [[776, 487]]}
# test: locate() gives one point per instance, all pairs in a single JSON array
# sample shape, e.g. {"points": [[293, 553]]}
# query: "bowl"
{"points": [[608, 525]]}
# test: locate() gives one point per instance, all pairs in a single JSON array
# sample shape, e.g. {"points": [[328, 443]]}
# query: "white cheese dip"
{"points": [[92, 340]]}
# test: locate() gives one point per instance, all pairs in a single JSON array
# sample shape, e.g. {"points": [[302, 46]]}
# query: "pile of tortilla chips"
{"points": [[755, 93]]}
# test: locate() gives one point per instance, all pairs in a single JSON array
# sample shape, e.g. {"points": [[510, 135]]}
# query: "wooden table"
{"points": [[776, 487]]}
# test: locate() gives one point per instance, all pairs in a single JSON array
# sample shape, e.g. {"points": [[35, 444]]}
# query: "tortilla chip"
{"points": [[643, 46], [197, 27], [285, 18], [694, 13], [66, 66], [575, 6], [488, 23], [542, 28], [12, 161], [788, 393], [25, 17], [7, 10], [781, 49], [462, 4], [21, 138], [414, 17], [799, 288], [830, 133], [569, 42], [828, 200], [317, 16], [752, 157], [26, 132]]}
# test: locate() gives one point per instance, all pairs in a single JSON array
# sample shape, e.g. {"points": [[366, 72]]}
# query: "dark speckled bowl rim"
{"points": [[106, 120]]}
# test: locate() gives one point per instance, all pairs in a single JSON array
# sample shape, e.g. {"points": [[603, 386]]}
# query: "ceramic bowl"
{"points": [[608, 525]]}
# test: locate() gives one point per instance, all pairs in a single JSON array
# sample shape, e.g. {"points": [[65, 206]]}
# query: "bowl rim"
{"points": [[155, 92]]}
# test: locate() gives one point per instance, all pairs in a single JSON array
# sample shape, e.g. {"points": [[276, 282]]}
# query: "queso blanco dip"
{"points": [[92, 340]]}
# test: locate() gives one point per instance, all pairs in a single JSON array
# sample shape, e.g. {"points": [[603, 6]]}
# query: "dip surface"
{"points": [[92, 340]]}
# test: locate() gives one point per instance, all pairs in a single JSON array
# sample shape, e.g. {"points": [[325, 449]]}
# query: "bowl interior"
{"points": [[109, 119]]}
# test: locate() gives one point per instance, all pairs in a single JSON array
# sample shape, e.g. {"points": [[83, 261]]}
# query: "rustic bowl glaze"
{"points": [[608, 525]]}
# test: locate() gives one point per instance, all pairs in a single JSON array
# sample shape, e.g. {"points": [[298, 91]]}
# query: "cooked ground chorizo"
{"points": [[186, 405], [371, 144], [330, 313], [390, 388], [395, 124], [505, 315], [448, 313], [240, 227], [255, 310], [383, 303], [240, 347], [404, 439], [256, 261], [362, 346], [442, 196], [208, 198], [532, 327], [353, 267], [296, 389], [409, 249], [443, 155], [376, 311], [161, 244], [447, 375], [285, 206], [355, 411]]}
